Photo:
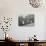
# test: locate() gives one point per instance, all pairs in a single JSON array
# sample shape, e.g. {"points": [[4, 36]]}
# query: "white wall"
{"points": [[14, 8]]}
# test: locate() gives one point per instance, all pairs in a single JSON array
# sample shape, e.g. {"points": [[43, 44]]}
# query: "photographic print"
{"points": [[26, 20]]}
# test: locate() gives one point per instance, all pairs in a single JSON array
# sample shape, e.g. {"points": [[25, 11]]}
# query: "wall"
{"points": [[14, 8]]}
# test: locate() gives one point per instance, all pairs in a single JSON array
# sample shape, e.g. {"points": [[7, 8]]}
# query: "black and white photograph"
{"points": [[27, 20]]}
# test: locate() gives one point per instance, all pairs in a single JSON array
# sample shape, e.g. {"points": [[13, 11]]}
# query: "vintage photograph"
{"points": [[26, 20]]}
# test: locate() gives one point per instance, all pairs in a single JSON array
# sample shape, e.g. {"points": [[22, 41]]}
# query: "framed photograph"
{"points": [[27, 20]]}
